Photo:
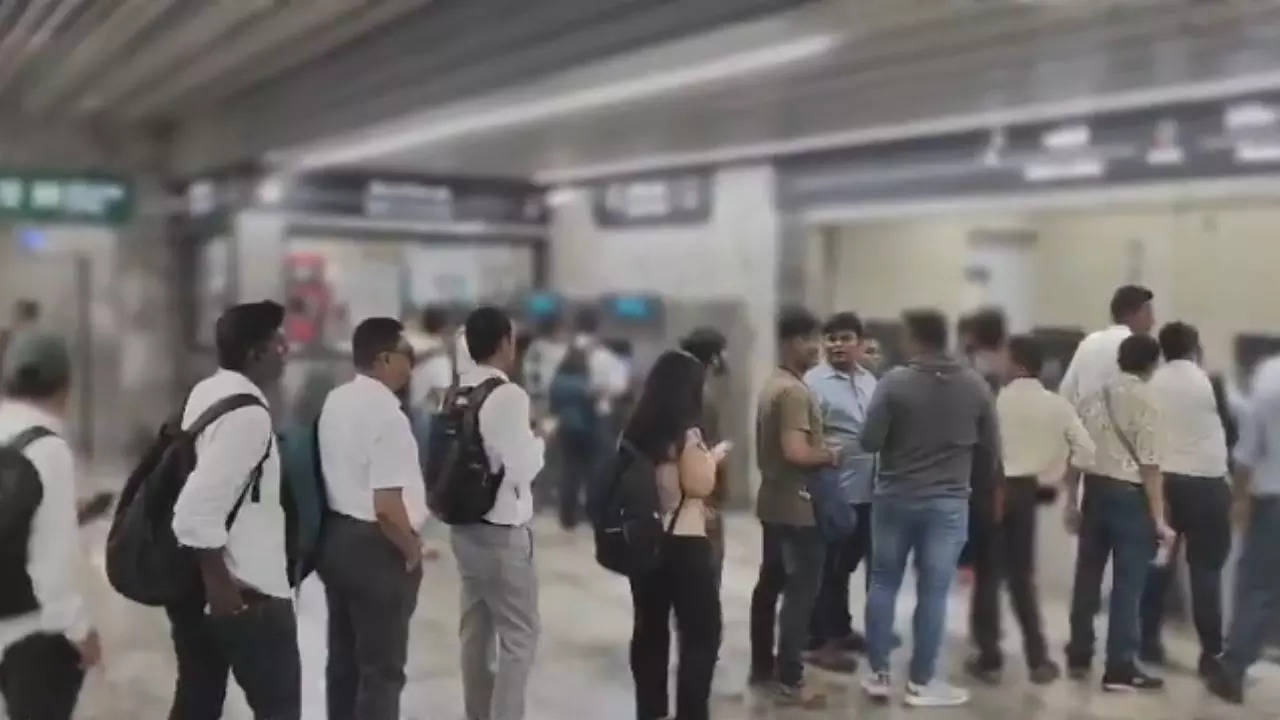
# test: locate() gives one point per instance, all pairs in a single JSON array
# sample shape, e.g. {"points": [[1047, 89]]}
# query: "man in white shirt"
{"points": [[1192, 445], [495, 557], [371, 556], [433, 369], [46, 641], [244, 623], [1094, 363], [1038, 432]]}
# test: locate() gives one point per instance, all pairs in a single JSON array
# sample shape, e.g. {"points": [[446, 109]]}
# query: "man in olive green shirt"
{"points": [[788, 449]]}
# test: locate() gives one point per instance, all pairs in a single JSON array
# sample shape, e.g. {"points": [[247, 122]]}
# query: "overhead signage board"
{"points": [[1212, 139], [65, 197], [679, 199]]}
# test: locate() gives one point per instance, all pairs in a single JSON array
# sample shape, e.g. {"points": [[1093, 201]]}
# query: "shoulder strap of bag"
{"points": [[220, 408], [1115, 425], [253, 486], [671, 526], [20, 441]]}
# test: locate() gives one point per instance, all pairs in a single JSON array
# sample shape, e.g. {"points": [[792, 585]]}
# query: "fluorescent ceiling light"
{"points": [[380, 144]]}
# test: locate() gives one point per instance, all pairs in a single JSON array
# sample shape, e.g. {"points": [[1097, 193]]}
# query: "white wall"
{"points": [[1206, 264]]}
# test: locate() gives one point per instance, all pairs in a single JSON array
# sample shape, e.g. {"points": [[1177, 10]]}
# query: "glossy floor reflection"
{"points": [[582, 662]]}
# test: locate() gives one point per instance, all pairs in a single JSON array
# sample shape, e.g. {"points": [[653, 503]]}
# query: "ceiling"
{"points": [[565, 89], [881, 70], [264, 73]]}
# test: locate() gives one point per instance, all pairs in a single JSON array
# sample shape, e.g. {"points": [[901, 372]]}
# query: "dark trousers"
{"points": [[791, 567], [1115, 525], [1005, 551], [831, 619], [1257, 597], [685, 583], [371, 599], [259, 646], [40, 678], [578, 454], [1199, 510]]}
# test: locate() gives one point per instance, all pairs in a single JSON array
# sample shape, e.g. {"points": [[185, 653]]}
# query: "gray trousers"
{"points": [[371, 600], [499, 625]]}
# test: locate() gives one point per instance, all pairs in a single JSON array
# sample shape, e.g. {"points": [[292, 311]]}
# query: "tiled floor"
{"points": [[582, 662]]}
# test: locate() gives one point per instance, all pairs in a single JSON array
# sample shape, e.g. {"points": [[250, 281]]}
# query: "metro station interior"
{"points": [[668, 164]]}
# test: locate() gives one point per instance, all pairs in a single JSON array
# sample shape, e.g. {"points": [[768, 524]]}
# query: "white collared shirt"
{"points": [[226, 454], [1039, 431], [510, 445], [366, 444], [1095, 364], [1190, 436], [53, 549]]}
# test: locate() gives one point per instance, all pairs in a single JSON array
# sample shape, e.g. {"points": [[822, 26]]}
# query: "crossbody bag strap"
{"points": [[671, 526], [1115, 425], [252, 487], [20, 441]]}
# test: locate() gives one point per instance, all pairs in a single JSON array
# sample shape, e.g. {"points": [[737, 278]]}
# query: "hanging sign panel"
{"points": [[65, 197]]}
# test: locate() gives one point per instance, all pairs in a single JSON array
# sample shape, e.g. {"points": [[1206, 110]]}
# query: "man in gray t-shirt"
{"points": [[926, 420]]}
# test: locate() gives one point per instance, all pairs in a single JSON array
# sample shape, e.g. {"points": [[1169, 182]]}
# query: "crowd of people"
{"points": [[943, 459]]}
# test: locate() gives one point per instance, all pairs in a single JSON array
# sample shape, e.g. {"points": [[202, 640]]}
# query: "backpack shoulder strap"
{"points": [[220, 408], [20, 441]]}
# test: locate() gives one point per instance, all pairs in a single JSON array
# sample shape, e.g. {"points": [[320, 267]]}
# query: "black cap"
{"points": [[1128, 300], [704, 343]]}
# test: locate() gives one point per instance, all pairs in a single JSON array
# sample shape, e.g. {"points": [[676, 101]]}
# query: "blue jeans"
{"points": [[1257, 586], [935, 530], [1115, 524]]}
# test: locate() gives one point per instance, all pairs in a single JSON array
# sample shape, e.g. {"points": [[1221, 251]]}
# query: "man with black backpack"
{"points": [[46, 642], [371, 552], [229, 513], [494, 550]]}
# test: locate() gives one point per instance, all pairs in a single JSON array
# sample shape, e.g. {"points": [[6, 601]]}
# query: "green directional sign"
{"points": [[65, 197]]}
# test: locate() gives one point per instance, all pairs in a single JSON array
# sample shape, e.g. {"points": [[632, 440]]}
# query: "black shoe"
{"points": [[1046, 672], [984, 669], [854, 642], [1130, 679], [832, 660], [1222, 683]]}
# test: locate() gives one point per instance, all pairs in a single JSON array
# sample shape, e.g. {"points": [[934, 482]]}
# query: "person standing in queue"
{"points": [[1256, 511], [244, 623], [664, 428], [495, 556], [708, 346], [927, 421], [789, 448], [1094, 363], [1192, 446], [46, 640], [1121, 517], [843, 389], [1038, 429], [370, 558]]}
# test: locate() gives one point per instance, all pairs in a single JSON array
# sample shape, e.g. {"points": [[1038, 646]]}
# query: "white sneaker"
{"points": [[878, 685], [935, 694]]}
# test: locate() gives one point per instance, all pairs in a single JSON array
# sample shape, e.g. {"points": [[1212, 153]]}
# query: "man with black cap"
{"points": [[245, 622], [46, 642], [708, 344]]}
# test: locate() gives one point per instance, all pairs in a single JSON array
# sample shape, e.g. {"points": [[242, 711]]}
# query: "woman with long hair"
{"points": [[664, 429]]}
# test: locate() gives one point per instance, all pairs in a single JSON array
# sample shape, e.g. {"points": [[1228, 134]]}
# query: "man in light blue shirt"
{"points": [[1257, 487], [843, 388]]}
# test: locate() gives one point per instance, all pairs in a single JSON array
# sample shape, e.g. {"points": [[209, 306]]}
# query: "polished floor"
{"points": [[582, 661]]}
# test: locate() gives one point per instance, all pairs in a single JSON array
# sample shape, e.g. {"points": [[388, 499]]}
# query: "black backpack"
{"points": [[461, 489], [625, 513], [21, 492], [145, 562]]}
